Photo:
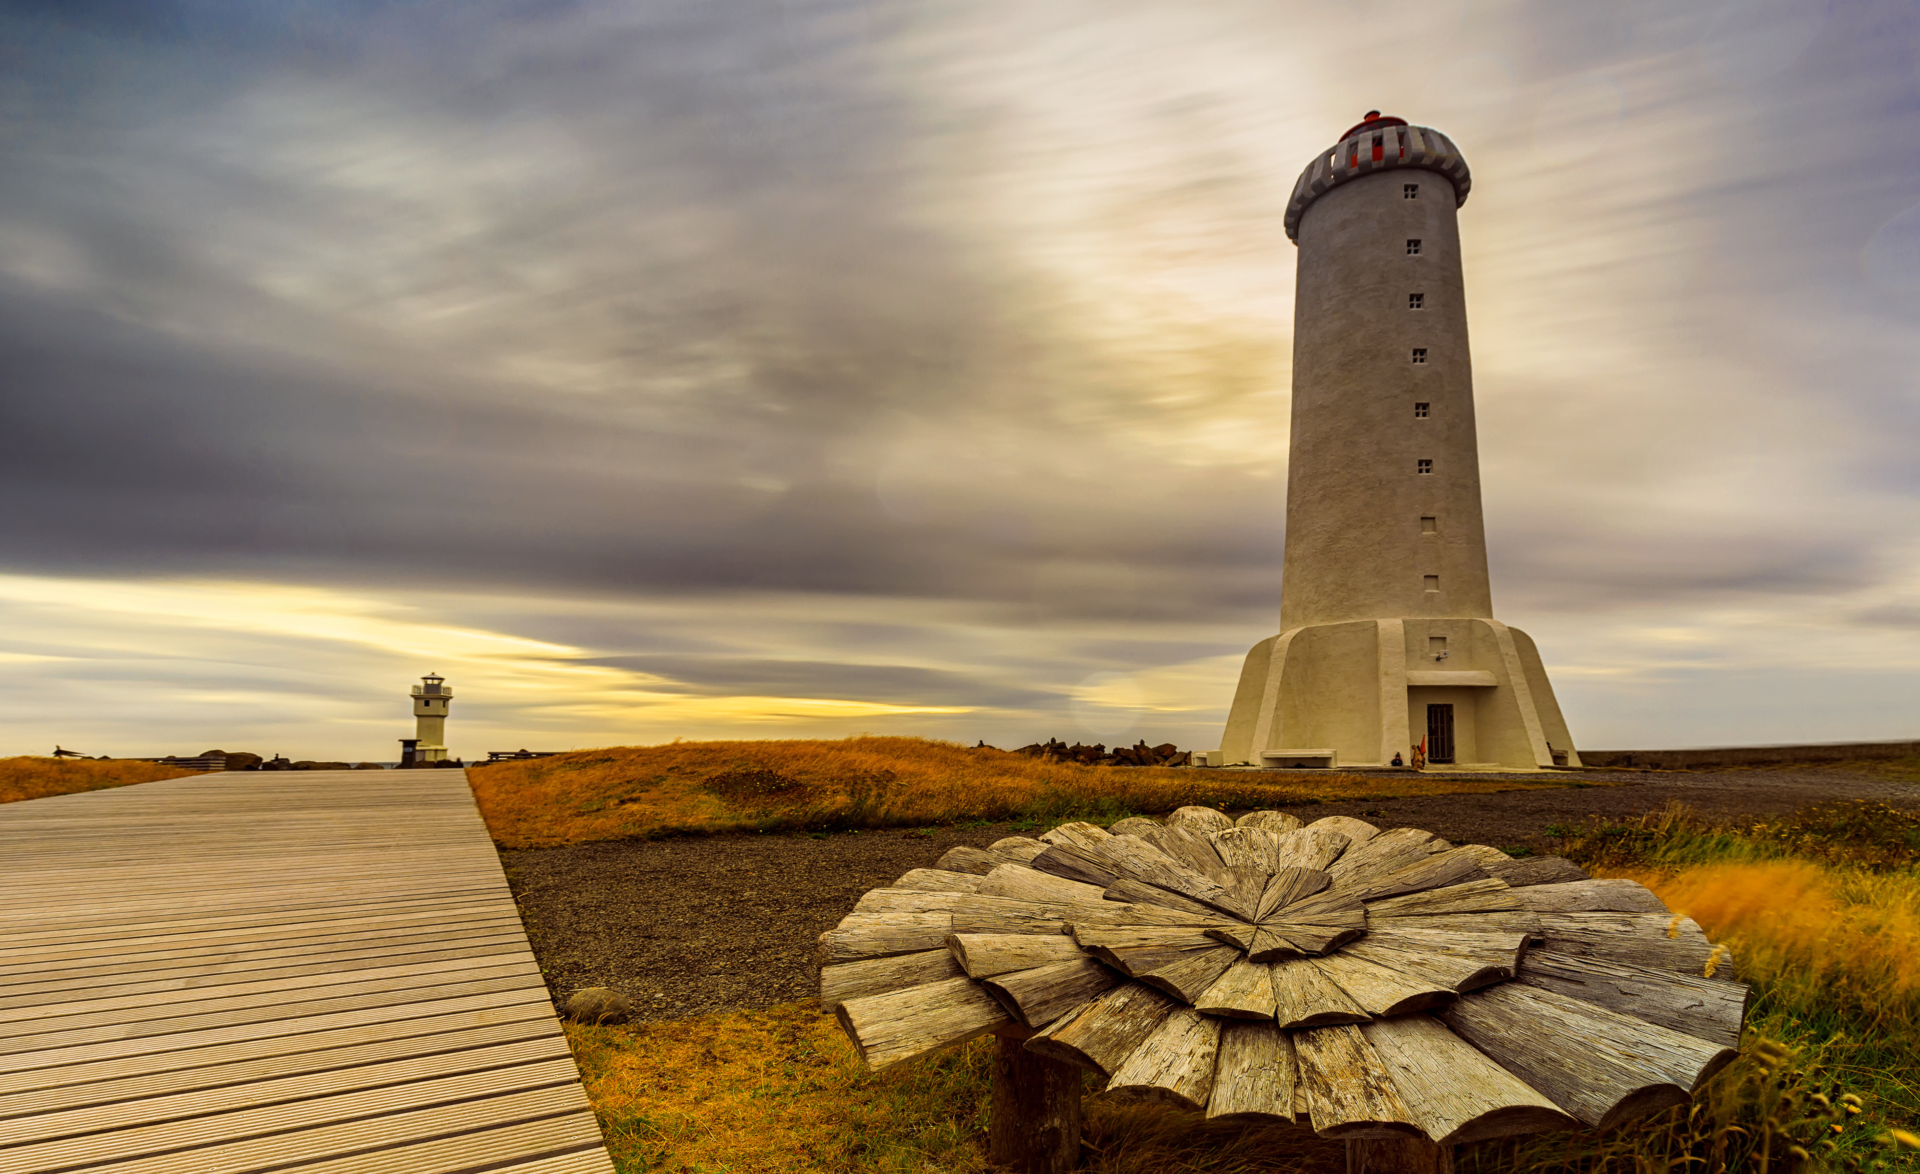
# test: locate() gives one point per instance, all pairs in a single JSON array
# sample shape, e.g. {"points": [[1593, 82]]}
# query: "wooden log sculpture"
{"points": [[1386, 987]]}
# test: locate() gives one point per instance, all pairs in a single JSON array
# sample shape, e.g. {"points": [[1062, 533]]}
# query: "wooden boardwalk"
{"points": [[312, 972]]}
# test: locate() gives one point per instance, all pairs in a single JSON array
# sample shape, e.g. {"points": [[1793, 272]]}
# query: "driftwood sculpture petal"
{"points": [[1377, 984]]}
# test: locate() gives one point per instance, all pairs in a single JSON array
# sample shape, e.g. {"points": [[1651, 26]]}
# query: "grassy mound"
{"points": [[31, 777], [639, 791]]}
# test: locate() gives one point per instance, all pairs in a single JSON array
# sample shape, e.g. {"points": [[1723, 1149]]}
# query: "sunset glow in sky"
{"points": [[777, 368]]}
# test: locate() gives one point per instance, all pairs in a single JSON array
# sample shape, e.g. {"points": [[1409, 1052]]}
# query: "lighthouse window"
{"points": [[1416, 301], [1424, 467], [1419, 354], [1429, 525], [1413, 246], [1409, 191], [1420, 409], [1432, 582]]}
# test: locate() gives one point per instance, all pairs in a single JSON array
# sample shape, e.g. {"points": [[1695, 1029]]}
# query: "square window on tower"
{"points": [[1436, 644], [1413, 246], [1409, 191], [1421, 409], [1416, 301], [1419, 354], [1423, 466], [1429, 525], [1432, 582]]}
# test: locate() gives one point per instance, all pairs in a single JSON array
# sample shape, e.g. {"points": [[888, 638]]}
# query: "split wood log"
{"points": [[1329, 906], [878, 935], [1455, 1093], [1312, 939], [1074, 864], [1487, 895], [1382, 991], [1134, 825], [1591, 896], [1518, 921], [975, 860], [1133, 857], [1034, 1118], [1267, 944], [1349, 1092], [1039, 996], [1017, 848], [907, 900], [1705, 1008], [1254, 1074], [1105, 1032], [1277, 822], [1248, 849], [1078, 834], [1204, 820], [983, 955], [1020, 883], [1636, 939], [1141, 893], [1192, 848], [899, 1025], [939, 880], [1245, 991], [1189, 976], [1096, 938], [875, 976], [975, 913], [1357, 830], [1489, 857], [1456, 971], [1438, 870], [1161, 915], [1599, 1065], [1537, 870], [1288, 885], [1306, 997], [1174, 1065], [1307, 848], [1380, 855], [1398, 1155]]}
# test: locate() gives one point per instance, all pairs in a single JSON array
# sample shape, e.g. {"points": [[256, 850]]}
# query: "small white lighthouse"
{"points": [[431, 697]]}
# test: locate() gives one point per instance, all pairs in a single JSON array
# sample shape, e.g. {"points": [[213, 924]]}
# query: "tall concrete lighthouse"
{"points": [[1387, 631], [431, 697]]}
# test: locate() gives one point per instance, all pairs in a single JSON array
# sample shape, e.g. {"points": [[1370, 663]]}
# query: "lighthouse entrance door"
{"points": [[1440, 733]]}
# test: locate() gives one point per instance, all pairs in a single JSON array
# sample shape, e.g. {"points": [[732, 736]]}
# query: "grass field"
{"points": [[640, 791], [1821, 910], [37, 778]]}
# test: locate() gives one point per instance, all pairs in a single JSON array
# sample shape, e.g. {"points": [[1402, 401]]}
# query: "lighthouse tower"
{"points": [[1387, 632], [431, 697]]}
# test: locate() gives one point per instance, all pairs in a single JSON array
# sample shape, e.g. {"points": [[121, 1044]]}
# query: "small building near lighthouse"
{"points": [[1387, 640], [431, 697]]}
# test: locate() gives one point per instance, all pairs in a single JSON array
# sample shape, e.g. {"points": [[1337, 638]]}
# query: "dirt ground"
{"points": [[694, 925]]}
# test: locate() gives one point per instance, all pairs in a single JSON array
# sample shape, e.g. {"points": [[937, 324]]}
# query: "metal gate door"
{"points": [[1440, 733]]}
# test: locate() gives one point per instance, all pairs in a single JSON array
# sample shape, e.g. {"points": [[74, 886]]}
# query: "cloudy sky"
{"points": [[765, 368]]}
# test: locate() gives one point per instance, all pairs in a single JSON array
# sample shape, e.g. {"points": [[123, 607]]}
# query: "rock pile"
{"points": [[1139, 754]]}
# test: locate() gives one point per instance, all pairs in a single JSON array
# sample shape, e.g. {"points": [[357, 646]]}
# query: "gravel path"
{"points": [[694, 925]]}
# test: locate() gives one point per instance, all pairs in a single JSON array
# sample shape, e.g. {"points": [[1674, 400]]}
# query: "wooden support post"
{"points": [[1397, 1155], [1035, 1123]]}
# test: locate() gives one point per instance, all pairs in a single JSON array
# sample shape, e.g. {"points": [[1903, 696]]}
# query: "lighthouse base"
{"points": [[1473, 690]]}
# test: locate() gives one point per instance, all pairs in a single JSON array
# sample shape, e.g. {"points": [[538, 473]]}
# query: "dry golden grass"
{"points": [[37, 778], [638, 791], [781, 1091]]}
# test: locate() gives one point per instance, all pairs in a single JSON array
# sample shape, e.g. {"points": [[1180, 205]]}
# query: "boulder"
{"points": [[598, 1004]]}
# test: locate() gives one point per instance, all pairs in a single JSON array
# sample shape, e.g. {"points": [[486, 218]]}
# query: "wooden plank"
{"points": [[874, 976], [939, 880], [1527, 871], [1254, 1074], [1310, 849], [1020, 883], [1174, 1065], [962, 858], [878, 935], [1204, 820], [1518, 921], [1305, 997], [1382, 991], [1103, 1034], [1245, 991], [1711, 1009], [1490, 895], [1248, 849], [1348, 1090], [983, 955], [1043, 994], [1436, 870], [1591, 896], [1453, 1092], [1189, 976], [1287, 885], [1017, 848], [891, 1028], [1599, 1065], [1358, 831], [1076, 865], [1633, 939], [1140, 893], [1457, 970], [1191, 847]]}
